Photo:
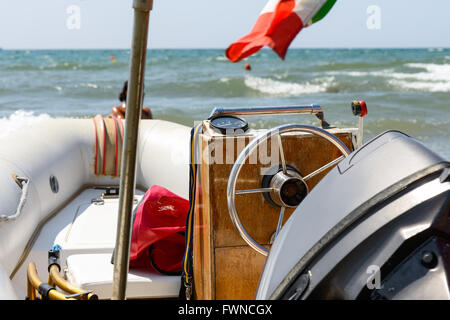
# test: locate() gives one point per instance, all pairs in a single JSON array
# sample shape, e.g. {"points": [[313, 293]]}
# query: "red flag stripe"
{"points": [[275, 29]]}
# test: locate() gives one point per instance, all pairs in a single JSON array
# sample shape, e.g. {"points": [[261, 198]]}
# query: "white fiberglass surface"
{"points": [[80, 227]]}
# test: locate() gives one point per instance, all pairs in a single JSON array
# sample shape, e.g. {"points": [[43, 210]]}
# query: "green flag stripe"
{"points": [[324, 10]]}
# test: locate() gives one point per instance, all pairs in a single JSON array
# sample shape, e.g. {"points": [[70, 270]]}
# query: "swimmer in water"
{"points": [[119, 111]]}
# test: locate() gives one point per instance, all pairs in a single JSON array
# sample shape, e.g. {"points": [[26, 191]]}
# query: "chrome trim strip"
{"points": [[253, 111]]}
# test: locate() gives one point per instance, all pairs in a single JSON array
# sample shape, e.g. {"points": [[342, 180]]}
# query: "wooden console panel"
{"points": [[225, 267]]}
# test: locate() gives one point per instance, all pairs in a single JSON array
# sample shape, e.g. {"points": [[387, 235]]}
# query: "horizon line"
{"points": [[220, 48]]}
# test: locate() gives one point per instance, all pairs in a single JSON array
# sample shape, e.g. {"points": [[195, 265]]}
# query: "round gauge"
{"points": [[229, 124]]}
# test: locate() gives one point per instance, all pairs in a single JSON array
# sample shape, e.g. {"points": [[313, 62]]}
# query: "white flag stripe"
{"points": [[270, 6], [307, 9]]}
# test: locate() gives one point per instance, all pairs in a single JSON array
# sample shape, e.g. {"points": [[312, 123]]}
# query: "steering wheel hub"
{"points": [[288, 189]]}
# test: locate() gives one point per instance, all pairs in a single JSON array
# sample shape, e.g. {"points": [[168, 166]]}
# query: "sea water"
{"points": [[405, 89]]}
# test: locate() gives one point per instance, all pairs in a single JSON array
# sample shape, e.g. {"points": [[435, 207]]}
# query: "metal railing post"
{"points": [[135, 95]]}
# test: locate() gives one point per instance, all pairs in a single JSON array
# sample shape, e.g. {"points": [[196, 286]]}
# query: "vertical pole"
{"points": [[135, 95], [360, 133]]}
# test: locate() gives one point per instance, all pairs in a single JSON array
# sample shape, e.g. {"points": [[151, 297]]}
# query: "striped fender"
{"points": [[108, 145]]}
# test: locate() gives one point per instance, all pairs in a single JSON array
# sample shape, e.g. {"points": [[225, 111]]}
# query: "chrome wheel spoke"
{"points": [[261, 190], [283, 160], [280, 221], [321, 169]]}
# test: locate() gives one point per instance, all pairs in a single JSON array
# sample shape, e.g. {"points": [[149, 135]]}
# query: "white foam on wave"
{"points": [[20, 119], [280, 88], [89, 85], [434, 78], [352, 73], [422, 85], [430, 77], [434, 72]]}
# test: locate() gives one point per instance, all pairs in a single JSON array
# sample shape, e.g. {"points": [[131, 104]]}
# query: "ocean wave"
{"points": [[64, 66], [346, 66], [18, 120], [89, 85], [435, 49], [351, 73], [435, 78], [246, 86], [434, 72], [280, 88], [432, 77], [421, 85], [413, 127]]}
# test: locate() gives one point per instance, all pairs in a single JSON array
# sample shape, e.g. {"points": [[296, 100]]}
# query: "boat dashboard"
{"points": [[249, 183]]}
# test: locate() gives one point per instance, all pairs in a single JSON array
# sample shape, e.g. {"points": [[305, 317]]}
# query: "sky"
{"points": [[107, 24]]}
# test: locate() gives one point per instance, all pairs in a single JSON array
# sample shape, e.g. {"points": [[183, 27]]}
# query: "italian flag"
{"points": [[277, 25]]}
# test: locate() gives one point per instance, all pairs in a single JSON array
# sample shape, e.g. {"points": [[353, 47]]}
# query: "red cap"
{"points": [[363, 108], [359, 108]]}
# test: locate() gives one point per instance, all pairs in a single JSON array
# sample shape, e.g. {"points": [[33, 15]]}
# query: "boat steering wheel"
{"points": [[287, 187]]}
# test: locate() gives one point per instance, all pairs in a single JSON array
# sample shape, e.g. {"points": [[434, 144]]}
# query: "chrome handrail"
{"points": [[265, 110]]}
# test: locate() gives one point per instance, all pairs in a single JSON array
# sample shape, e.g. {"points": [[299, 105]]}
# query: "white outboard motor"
{"points": [[376, 227]]}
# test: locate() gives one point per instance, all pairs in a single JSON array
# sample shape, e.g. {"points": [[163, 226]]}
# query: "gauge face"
{"points": [[229, 123]]}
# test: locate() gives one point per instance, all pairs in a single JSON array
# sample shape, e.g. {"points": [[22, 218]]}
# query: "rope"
{"points": [[187, 276], [24, 182]]}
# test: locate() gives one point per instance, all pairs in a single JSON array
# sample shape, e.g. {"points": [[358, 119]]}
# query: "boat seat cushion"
{"points": [[95, 272], [159, 223]]}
